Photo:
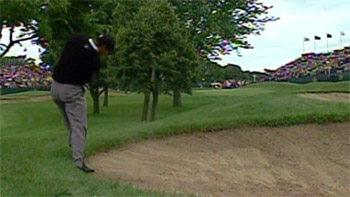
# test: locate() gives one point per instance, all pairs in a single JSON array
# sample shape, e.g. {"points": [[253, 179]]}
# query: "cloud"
{"points": [[282, 41]]}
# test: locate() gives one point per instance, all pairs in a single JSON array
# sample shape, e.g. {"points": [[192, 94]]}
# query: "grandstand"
{"points": [[18, 75], [333, 66]]}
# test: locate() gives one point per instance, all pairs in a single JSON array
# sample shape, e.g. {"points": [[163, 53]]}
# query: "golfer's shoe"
{"points": [[86, 169]]}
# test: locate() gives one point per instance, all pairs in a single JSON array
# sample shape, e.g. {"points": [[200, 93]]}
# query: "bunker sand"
{"points": [[298, 160], [335, 97]]}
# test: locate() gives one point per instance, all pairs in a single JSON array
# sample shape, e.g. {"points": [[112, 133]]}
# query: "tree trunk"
{"points": [[95, 98], [154, 104], [105, 102], [177, 102], [145, 106]]}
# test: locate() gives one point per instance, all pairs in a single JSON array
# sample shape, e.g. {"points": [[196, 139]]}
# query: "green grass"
{"points": [[35, 157], [26, 94]]}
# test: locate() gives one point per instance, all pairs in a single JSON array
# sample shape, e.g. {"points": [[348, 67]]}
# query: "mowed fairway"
{"points": [[34, 150]]}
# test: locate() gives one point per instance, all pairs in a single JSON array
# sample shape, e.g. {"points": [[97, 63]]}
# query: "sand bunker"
{"points": [[301, 160], [336, 97]]}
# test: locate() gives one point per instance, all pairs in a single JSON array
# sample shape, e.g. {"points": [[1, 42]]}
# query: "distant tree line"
{"points": [[212, 72]]}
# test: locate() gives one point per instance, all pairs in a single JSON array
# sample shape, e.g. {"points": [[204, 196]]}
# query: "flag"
{"points": [[342, 33], [317, 38], [34, 42], [306, 39], [329, 36]]}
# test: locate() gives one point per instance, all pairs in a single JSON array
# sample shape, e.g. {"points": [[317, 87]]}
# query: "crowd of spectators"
{"points": [[311, 64], [227, 84], [234, 83], [25, 76]]}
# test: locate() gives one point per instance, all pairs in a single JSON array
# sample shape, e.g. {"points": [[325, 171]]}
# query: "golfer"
{"points": [[78, 62]]}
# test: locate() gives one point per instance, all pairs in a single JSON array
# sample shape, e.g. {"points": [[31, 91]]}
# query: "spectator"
{"points": [[25, 76], [311, 64]]}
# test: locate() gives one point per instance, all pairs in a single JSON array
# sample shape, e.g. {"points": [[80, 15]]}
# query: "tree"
{"points": [[102, 13], [50, 23], [108, 75], [185, 66], [77, 17], [209, 22], [18, 14], [209, 72], [100, 83], [212, 22], [64, 18], [152, 47]]}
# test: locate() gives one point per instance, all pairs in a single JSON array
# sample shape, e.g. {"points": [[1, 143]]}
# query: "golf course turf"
{"points": [[34, 149]]}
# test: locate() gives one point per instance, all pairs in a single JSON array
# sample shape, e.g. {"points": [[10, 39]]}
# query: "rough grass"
{"points": [[35, 157]]}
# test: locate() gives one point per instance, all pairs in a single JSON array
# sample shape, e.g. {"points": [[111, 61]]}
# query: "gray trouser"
{"points": [[71, 103]]}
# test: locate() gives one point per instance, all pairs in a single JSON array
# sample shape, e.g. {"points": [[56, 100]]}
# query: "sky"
{"points": [[32, 51], [282, 40]]}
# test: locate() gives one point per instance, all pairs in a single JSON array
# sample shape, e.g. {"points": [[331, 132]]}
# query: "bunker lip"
{"points": [[334, 96], [307, 159]]}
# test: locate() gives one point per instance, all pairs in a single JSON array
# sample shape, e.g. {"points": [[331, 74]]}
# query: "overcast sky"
{"points": [[282, 41], [26, 49]]}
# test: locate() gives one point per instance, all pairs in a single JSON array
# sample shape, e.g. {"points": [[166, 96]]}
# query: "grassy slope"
{"points": [[26, 94], [34, 150]]}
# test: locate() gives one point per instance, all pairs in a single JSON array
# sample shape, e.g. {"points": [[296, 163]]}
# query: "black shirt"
{"points": [[78, 61]]}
